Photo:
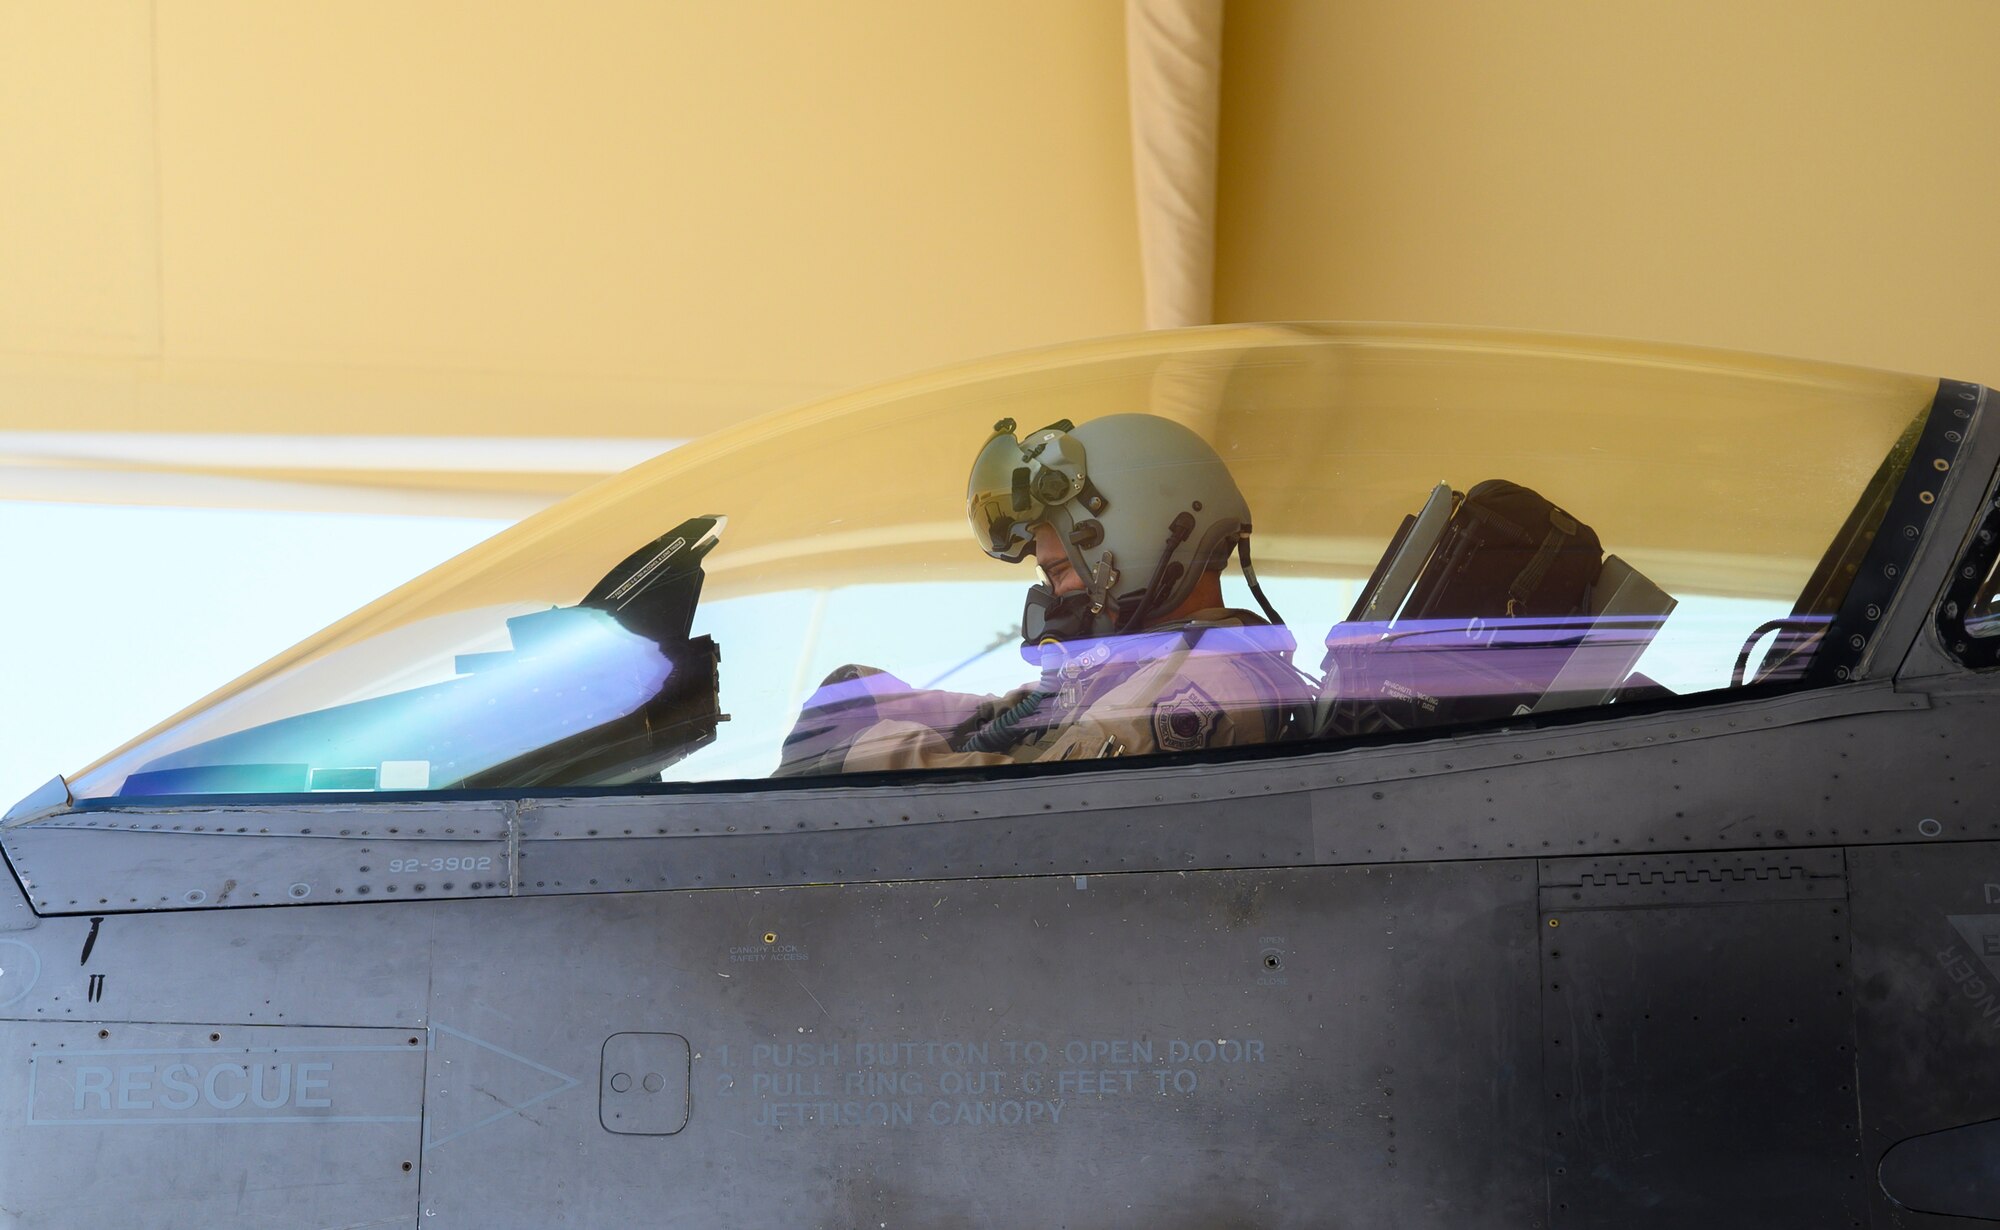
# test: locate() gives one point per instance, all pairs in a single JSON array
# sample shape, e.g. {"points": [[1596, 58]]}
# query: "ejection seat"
{"points": [[1487, 604]]}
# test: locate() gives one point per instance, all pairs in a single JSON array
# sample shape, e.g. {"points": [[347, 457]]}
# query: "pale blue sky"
{"points": [[114, 618]]}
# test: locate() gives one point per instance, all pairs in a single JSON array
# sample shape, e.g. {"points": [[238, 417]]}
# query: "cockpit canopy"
{"points": [[670, 624]]}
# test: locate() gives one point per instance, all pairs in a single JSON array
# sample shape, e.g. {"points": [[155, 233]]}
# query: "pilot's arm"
{"points": [[1180, 703], [911, 745], [863, 719], [901, 743]]}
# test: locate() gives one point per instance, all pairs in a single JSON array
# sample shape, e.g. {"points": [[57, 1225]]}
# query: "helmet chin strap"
{"points": [[1048, 616]]}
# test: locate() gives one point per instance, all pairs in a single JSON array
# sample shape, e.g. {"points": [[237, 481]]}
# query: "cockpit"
{"points": [[1451, 530]]}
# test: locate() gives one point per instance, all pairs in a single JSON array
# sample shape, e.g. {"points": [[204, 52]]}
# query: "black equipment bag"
{"points": [[1501, 604], [1507, 552]]}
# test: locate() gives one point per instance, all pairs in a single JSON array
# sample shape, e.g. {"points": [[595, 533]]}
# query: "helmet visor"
{"points": [[998, 503]]}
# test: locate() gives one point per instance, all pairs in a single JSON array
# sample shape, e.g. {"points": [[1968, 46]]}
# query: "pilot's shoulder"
{"points": [[1226, 665], [1239, 661], [1228, 632], [1226, 643]]}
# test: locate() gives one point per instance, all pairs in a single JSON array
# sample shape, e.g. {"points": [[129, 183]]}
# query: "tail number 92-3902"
{"points": [[483, 862]]}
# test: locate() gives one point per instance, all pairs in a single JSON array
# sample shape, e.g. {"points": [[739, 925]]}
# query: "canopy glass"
{"points": [[673, 623]]}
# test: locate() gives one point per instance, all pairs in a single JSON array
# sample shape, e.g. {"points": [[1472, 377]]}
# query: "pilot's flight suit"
{"points": [[1219, 679]]}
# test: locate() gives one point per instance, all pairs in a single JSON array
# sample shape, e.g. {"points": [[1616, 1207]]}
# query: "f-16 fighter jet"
{"points": [[1255, 776]]}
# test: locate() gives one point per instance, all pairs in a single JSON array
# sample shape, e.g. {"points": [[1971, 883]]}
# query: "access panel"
{"points": [[163, 1127], [1698, 1042], [1927, 982], [643, 1086]]}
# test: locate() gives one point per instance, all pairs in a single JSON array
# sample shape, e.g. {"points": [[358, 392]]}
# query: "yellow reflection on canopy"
{"points": [[1712, 473]]}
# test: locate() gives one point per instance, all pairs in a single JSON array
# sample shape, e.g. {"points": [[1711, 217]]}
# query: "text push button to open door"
{"points": [[643, 1087]]}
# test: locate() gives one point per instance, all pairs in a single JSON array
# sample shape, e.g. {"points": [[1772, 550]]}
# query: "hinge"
{"points": [[1629, 881]]}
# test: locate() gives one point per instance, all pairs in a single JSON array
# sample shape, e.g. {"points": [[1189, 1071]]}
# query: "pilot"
{"points": [[1131, 520]]}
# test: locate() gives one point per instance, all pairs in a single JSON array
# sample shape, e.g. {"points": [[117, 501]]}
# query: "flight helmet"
{"points": [[1143, 507]]}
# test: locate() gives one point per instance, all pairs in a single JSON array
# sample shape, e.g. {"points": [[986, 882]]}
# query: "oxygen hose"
{"points": [[1004, 730]]}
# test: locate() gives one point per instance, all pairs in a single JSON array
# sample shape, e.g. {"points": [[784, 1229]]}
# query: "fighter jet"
{"points": [[1425, 777]]}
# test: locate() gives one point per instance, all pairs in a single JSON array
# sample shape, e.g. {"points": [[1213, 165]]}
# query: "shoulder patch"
{"points": [[1184, 719]]}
